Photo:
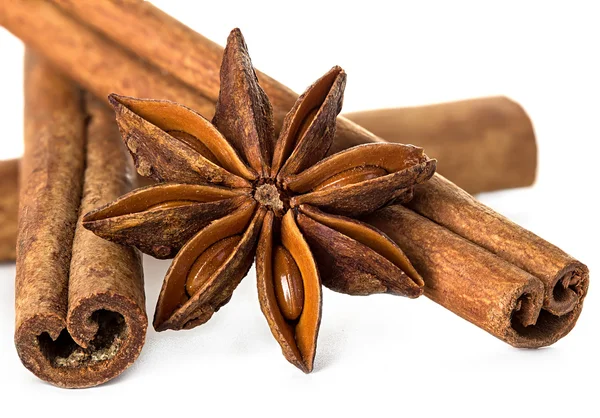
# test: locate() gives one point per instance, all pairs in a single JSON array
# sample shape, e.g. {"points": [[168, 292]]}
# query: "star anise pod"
{"points": [[227, 191]]}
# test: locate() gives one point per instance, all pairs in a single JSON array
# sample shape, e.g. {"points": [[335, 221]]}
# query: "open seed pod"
{"points": [[207, 270], [307, 132], [160, 219], [161, 135], [364, 178], [289, 289], [355, 258]]}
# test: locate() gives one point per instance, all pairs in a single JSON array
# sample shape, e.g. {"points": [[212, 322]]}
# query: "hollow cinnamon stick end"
{"points": [[110, 328], [559, 313], [482, 288], [567, 289]]}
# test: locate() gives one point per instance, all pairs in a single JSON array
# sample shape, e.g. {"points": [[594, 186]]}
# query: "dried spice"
{"points": [[180, 64], [482, 145], [484, 288], [94, 62], [227, 191], [79, 300], [563, 280]]}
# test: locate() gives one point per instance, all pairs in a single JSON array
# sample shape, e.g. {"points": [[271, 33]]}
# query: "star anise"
{"points": [[228, 190]]}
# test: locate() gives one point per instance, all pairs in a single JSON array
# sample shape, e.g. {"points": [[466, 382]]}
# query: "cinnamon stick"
{"points": [[475, 284], [99, 44], [482, 144], [80, 314], [564, 278], [175, 48], [94, 62], [490, 136], [9, 203]]}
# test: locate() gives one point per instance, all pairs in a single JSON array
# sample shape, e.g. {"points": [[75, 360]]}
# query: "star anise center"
{"points": [[271, 196]]}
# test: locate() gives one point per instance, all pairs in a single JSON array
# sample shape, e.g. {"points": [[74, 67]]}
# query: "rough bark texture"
{"points": [[80, 315], [184, 67], [175, 48], [492, 137], [475, 284], [9, 205], [565, 279], [94, 62]]}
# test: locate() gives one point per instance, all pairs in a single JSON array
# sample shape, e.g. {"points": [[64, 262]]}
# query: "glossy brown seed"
{"points": [[351, 176], [208, 262], [289, 288]]}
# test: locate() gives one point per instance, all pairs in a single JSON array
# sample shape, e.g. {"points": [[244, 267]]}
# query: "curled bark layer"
{"points": [[80, 315], [565, 279], [475, 284]]}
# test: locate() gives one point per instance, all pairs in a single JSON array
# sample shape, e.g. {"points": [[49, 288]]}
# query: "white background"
{"points": [[381, 355]]}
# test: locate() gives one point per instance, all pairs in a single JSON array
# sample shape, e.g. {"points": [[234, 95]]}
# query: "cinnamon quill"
{"points": [[480, 286], [481, 144], [80, 314], [564, 278]]}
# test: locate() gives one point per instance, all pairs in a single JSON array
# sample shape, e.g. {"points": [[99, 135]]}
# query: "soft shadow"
{"points": [[329, 347], [154, 274]]}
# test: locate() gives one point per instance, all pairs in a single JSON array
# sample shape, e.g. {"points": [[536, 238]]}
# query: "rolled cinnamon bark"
{"points": [[9, 204], [80, 314], [94, 62], [175, 48], [490, 136], [565, 279], [474, 283], [482, 145]]}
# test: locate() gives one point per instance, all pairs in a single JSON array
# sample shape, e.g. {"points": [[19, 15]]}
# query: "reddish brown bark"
{"points": [[477, 285], [9, 203], [481, 144], [80, 314], [564, 278]]}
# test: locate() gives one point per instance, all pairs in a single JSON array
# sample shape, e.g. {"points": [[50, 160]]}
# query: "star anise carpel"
{"points": [[229, 190]]}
